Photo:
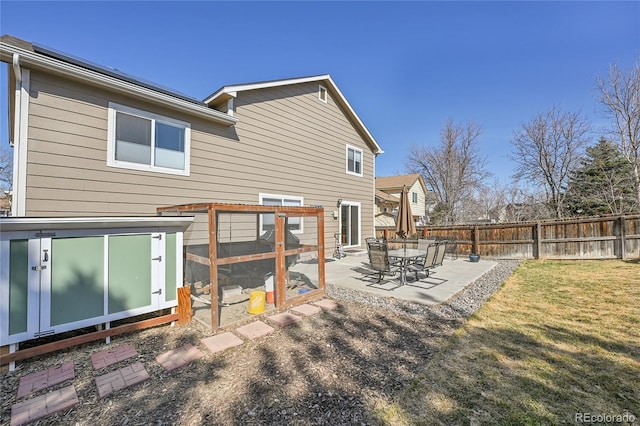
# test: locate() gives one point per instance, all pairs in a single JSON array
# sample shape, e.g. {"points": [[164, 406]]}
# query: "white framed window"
{"points": [[414, 197], [267, 221], [322, 93], [354, 161], [141, 140]]}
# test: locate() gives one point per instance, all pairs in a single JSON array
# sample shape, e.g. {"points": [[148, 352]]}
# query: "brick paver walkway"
{"points": [[43, 406], [45, 378], [121, 378], [306, 310], [177, 358], [284, 319], [326, 304], [254, 329], [114, 355], [220, 342]]}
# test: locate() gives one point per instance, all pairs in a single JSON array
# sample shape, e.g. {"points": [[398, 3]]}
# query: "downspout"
{"points": [[16, 69], [16, 107], [20, 106]]}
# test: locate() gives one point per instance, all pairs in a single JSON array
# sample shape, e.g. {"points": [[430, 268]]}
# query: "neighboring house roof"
{"points": [[35, 56], [227, 92], [385, 219], [383, 196], [395, 183]]}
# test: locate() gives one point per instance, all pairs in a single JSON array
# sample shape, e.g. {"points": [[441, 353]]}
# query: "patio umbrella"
{"points": [[404, 222]]}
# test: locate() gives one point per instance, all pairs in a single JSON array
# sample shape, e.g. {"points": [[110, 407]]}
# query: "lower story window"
{"points": [[268, 220], [144, 141]]}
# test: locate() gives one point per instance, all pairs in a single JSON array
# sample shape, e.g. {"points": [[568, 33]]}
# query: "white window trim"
{"points": [[262, 196], [346, 161], [111, 140], [323, 90]]}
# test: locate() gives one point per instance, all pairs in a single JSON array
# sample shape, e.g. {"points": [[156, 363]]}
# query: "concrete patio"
{"points": [[444, 281]]}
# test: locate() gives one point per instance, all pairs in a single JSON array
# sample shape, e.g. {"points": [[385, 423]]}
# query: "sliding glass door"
{"points": [[350, 224]]}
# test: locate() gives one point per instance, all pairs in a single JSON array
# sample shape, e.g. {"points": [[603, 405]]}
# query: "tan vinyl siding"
{"points": [[306, 139], [287, 142]]}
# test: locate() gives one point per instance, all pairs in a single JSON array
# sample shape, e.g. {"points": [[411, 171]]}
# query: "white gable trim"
{"points": [[231, 90]]}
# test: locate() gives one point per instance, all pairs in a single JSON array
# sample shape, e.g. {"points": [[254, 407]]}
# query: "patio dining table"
{"points": [[405, 256]]}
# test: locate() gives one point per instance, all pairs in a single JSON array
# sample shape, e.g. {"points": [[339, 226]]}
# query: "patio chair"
{"points": [[440, 252], [424, 244], [379, 259], [425, 263], [369, 241]]}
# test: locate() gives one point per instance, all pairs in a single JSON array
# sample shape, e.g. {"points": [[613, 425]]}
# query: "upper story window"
{"points": [[267, 221], [354, 161], [142, 140], [322, 93], [414, 197]]}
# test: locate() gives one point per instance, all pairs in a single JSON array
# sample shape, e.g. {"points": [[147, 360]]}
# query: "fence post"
{"points": [[623, 235], [475, 236], [538, 241]]}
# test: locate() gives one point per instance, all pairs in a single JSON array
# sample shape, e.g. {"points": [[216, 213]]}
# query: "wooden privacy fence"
{"points": [[606, 237]]}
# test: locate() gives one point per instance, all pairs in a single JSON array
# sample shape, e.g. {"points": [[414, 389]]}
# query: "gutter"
{"points": [[35, 60]]}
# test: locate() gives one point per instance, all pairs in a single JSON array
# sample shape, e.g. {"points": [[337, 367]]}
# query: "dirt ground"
{"points": [[330, 368]]}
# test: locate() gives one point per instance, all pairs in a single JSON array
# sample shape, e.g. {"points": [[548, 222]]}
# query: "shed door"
{"points": [[52, 282], [86, 280]]}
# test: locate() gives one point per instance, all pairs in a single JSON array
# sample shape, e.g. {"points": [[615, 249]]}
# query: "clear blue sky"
{"points": [[405, 67]]}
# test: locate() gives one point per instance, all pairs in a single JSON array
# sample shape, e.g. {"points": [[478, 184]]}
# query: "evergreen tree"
{"points": [[602, 183]]}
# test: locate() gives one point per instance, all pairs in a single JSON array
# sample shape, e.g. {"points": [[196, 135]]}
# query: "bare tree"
{"points": [[619, 93], [454, 169], [490, 201], [6, 168], [547, 148], [523, 204]]}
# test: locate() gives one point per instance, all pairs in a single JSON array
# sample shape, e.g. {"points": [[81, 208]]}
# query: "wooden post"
{"points": [[538, 241], [184, 305], [321, 269], [280, 259], [623, 238], [213, 267], [475, 236]]}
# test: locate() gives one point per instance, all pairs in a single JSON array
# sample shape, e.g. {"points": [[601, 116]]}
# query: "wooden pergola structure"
{"points": [[280, 254]]}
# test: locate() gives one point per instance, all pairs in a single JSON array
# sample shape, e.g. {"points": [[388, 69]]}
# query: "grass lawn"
{"points": [[559, 338]]}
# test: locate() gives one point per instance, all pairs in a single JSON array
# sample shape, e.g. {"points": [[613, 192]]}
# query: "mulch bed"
{"points": [[327, 369]]}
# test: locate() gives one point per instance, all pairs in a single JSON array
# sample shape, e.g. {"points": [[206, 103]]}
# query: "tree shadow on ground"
{"points": [[502, 376]]}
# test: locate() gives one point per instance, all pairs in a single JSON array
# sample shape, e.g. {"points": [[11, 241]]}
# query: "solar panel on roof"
{"points": [[113, 72]]}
